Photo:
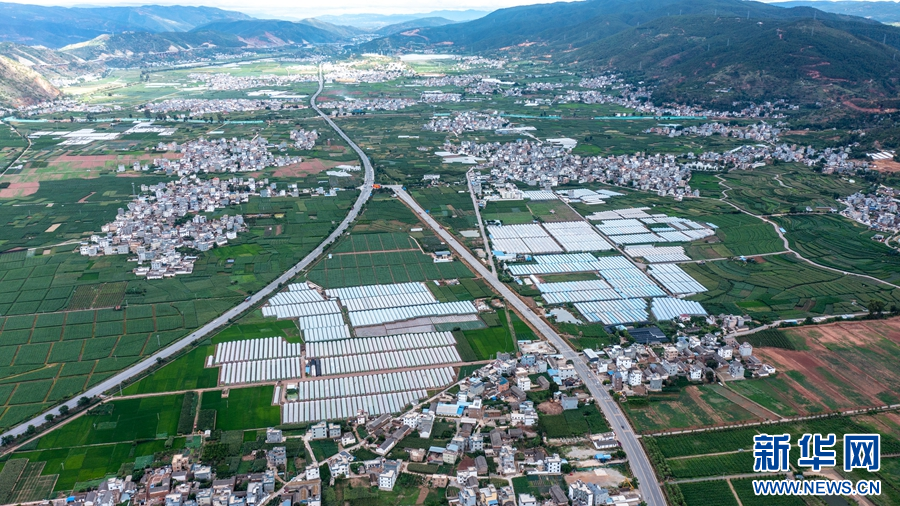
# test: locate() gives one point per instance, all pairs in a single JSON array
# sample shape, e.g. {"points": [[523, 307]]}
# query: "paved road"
{"points": [[640, 464], [211, 327], [487, 247]]}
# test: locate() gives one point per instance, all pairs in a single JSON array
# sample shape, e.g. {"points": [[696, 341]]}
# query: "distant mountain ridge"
{"points": [[415, 23], [56, 27], [885, 11], [373, 22]]}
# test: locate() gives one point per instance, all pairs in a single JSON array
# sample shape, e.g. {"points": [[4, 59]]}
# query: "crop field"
{"points": [[838, 242], [691, 407], [78, 464], [55, 302], [759, 192], [744, 489], [253, 408], [839, 366], [781, 287], [22, 481], [574, 423], [451, 206], [707, 493], [729, 451], [379, 227], [130, 420]]}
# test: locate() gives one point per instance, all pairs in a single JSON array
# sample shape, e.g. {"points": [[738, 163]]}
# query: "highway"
{"points": [[640, 464], [211, 327]]}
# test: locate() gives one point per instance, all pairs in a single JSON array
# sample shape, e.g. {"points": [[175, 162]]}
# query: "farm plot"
{"points": [[707, 493], [840, 243], [841, 366], [575, 422], [691, 407], [780, 286]]}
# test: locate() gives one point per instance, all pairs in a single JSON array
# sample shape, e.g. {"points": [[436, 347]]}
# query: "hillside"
{"points": [[273, 32], [415, 23], [48, 62], [565, 25], [886, 12], [20, 85], [373, 22], [60, 26], [127, 44], [694, 56]]}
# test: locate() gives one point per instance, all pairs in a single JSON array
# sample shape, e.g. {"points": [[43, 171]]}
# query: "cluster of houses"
{"points": [[304, 139], [231, 82], [829, 160], [466, 121], [201, 106], [155, 227], [637, 369], [437, 96], [369, 104], [875, 210], [760, 132], [65, 105], [221, 155], [546, 164], [346, 72], [181, 483], [458, 80]]}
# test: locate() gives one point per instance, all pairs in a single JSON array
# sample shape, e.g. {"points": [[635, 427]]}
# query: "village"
{"points": [[877, 211], [201, 106]]}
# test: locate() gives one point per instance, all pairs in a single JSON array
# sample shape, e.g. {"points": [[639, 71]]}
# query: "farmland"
{"points": [[759, 192], [837, 242], [60, 325], [781, 287], [840, 366], [690, 407]]}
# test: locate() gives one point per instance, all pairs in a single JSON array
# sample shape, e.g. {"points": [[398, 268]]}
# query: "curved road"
{"points": [[640, 464], [222, 320], [787, 244]]}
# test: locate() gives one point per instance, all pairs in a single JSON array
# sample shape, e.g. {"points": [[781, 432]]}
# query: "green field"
{"points": [[707, 493], [837, 242], [759, 192], [691, 406], [574, 423], [780, 286], [253, 408]]}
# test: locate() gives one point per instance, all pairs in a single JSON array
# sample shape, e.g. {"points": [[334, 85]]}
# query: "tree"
{"points": [[30, 430], [49, 417], [64, 410], [83, 401], [7, 440], [710, 376], [876, 307]]}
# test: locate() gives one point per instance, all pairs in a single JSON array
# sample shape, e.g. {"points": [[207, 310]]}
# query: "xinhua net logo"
{"points": [[817, 453]]}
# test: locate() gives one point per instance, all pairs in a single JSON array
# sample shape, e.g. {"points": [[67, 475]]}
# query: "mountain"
{"points": [[415, 23], [372, 22], [60, 26], [48, 62], [567, 24], [695, 58], [106, 46], [760, 50], [886, 12], [20, 85], [343, 31], [273, 32]]}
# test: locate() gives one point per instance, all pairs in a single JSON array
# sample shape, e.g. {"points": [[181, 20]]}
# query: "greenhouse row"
{"points": [[614, 312], [298, 310], [320, 334], [260, 370], [675, 280], [256, 349], [428, 379], [345, 407], [389, 360], [379, 344], [666, 308], [379, 316]]}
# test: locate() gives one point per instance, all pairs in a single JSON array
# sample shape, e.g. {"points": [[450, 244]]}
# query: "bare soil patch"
{"points": [[550, 408], [19, 190], [886, 165]]}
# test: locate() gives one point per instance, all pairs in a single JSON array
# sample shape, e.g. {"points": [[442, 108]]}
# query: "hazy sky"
{"points": [[306, 9]]}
